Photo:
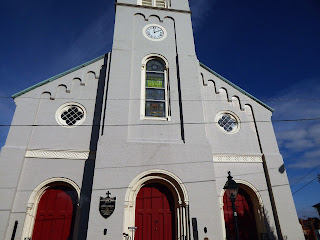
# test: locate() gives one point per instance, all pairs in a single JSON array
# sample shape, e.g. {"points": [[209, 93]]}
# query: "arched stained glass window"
{"points": [[155, 88]]}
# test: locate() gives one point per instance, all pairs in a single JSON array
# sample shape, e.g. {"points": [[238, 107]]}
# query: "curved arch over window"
{"points": [[155, 89], [154, 3]]}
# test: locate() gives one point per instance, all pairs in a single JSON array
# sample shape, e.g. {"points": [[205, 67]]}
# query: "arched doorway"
{"points": [[167, 187], [155, 213], [56, 214], [35, 198], [246, 217]]}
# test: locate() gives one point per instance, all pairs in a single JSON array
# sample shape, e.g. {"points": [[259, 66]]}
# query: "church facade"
{"points": [[137, 144]]}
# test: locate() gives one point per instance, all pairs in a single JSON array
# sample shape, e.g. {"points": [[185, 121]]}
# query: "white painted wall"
{"points": [[130, 146]]}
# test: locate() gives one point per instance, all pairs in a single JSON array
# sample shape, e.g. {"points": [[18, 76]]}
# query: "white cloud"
{"points": [[297, 138], [299, 141], [314, 132], [296, 133], [302, 108], [313, 154], [304, 163], [298, 145]]}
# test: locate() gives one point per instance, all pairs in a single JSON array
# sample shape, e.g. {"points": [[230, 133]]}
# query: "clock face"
{"points": [[154, 32]]}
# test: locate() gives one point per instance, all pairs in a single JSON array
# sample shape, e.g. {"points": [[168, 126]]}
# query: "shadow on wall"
{"points": [[88, 174], [270, 231]]}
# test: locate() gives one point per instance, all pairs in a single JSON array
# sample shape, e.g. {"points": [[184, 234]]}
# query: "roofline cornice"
{"points": [[154, 8], [56, 77], [236, 87]]}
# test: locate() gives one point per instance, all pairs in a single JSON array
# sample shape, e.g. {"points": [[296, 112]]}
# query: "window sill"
{"points": [[167, 119]]}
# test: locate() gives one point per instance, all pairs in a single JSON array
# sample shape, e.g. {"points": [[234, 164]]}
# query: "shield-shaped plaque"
{"points": [[107, 205]]}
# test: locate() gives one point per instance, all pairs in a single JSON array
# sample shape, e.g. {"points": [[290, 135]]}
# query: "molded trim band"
{"points": [[58, 154]]}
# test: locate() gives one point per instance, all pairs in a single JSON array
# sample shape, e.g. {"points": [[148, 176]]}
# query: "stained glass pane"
{"points": [[155, 109], [227, 123], [160, 3], [155, 94], [147, 2], [72, 115], [155, 80], [155, 65]]}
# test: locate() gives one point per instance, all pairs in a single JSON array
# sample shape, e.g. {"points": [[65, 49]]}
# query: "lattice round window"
{"points": [[71, 114], [228, 122]]}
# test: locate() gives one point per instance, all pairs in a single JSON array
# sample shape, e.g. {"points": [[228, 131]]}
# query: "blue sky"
{"points": [[269, 48]]}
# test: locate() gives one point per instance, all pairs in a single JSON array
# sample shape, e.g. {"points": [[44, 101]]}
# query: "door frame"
{"points": [[257, 203], [180, 197]]}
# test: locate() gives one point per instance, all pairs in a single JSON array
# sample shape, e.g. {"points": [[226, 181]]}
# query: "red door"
{"points": [[55, 215], [155, 213], [246, 218]]}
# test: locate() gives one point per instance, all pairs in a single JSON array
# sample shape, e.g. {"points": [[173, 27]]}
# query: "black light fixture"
{"points": [[232, 188], [317, 206]]}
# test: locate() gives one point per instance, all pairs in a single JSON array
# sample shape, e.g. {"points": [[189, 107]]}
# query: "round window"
{"points": [[70, 115], [228, 122]]}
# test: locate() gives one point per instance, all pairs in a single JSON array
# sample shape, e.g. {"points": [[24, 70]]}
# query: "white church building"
{"points": [[137, 144]]}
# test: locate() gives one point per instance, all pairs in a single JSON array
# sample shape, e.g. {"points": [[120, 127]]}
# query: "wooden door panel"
{"points": [[246, 218], [149, 227], [55, 214], [139, 222], [154, 211]]}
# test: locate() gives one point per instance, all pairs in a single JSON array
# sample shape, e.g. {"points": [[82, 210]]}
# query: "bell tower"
{"points": [[152, 82], [158, 30]]}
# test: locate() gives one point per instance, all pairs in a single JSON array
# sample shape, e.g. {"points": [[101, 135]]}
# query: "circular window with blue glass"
{"points": [[228, 122], [71, 114]]}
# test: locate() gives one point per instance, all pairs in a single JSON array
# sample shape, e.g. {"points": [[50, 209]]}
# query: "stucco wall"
{"points": [[137, 145], [186, 145], [37, 129]]}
